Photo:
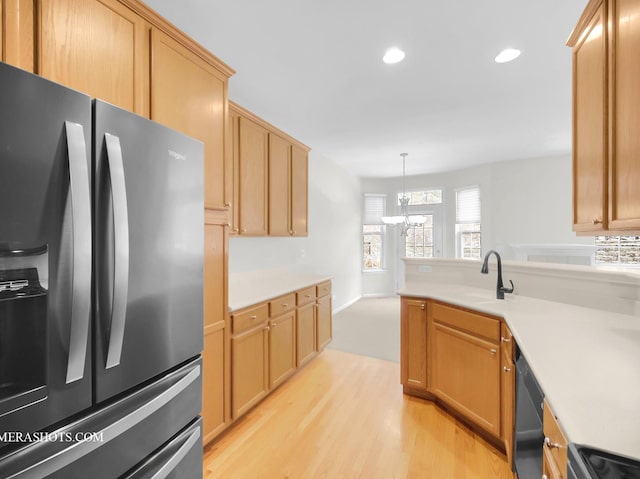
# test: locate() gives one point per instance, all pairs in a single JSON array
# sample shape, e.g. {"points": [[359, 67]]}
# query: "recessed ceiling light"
{"points": [[393, 55], [507, 55]]}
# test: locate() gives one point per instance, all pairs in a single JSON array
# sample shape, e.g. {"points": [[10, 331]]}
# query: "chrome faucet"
{"points": [[500, 289]]}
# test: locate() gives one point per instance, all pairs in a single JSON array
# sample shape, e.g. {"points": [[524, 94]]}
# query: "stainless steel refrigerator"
{"points": [[101, 284]]}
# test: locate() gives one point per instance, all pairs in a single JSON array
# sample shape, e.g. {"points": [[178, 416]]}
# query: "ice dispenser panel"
{"points": [[23, 331]]}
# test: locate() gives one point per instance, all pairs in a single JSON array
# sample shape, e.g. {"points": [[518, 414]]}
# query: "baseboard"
{"points": [[346, 305]]}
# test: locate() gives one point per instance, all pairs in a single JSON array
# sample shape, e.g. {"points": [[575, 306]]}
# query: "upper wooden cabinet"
{"points": [[190, 95], [99, 47], [606, 111], [270, 178]]}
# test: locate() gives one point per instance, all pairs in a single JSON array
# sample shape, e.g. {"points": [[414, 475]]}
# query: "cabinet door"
{"points": [[214, 381], [508, 385], [624, 206], [99, 47], [216, 368], [299, 191], [190, 95], [253, 179], [590, 127], [323, 322], [465, 373], [413, 338], [306, 333], [282, 348], [279, 186], [249, 375]]}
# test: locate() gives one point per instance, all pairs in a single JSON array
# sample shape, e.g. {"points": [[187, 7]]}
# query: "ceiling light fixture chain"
{"points": [[404, 220]]}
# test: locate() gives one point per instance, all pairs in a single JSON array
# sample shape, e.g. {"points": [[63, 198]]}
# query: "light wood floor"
{"points": [[344, 416]]}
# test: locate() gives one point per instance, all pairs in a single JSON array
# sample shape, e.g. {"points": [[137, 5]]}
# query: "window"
{"points": [[424, 197], [372, 232], [621, 250], [468, 231], [419, 240]]}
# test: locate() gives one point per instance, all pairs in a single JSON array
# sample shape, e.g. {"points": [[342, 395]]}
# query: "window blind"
{"points": [[374, 209], [468, 205]]}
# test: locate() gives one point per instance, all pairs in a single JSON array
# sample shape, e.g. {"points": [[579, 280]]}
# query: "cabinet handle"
{"points": [[493, 351], [551, 445], [285, 305], [506, 369], [254, 317], [597, 221], [505, 340], [307, 295]]}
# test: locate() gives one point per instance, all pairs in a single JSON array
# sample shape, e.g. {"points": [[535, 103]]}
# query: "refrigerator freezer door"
{"points": [[112, 440], [45, 231], [150, 319]]}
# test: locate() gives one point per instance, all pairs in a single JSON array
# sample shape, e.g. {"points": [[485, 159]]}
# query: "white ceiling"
{"points": [[314, 69]]}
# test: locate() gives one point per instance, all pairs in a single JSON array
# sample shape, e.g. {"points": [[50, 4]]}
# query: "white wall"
{"points": [[523, 202], [333, 246]]}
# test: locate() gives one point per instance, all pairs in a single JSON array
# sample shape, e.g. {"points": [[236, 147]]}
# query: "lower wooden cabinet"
{"points": [[214, 381], [282, 348], [269, 341], [323, 322], [554, 457], [413, 343], [463, 360], [306, 333]]}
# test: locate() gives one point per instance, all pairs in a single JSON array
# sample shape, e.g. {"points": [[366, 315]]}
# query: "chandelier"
{"points": [[404, 220]]}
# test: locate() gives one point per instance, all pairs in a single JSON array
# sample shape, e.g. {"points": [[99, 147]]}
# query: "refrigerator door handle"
{"points": [[81, 280], [121, 249]]}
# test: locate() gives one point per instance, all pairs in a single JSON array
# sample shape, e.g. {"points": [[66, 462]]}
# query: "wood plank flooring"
{"points": [[344, 416]]}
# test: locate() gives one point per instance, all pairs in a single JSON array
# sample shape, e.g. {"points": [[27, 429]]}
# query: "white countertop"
{"points": [[587, 361], [247, 289]]}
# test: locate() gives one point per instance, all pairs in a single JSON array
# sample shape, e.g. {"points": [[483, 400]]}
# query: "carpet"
{"points": [[369, 327]]}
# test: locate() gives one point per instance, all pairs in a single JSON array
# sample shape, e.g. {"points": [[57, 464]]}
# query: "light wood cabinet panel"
{"points": [[18, 21], [465, 373], [190, 95], [215, 270], [215, 386], [589, 127], [624, 207], [252, 176], [99, 47], [249, 372], [323, 322], [508, 390], [413, 339], [282, 348], [306, 333], [299, 191], [279, 186], [606, 111]]}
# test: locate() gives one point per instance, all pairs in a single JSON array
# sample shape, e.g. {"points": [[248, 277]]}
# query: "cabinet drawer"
{"points": [[249, 318], [324, 289], [474, 323], [307, 295], [555, 443], [282, 305]]}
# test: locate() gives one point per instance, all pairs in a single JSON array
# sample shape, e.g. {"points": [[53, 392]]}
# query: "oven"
{"points": [[529, 435]]}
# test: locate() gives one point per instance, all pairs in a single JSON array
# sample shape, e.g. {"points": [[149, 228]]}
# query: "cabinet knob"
{"points": [[267, 328], [228, 204], [243, 230], [551, 445], [505, 340], [227, 224], [285, 305], [273, 325], [235, 230], [544, 476], [493, 351], [422, 306], [506, 369], [597, 221], [254, 317], [291, 232]]}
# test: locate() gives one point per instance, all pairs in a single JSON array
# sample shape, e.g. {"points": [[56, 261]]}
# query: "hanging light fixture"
{"points": [[404, 220]]}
